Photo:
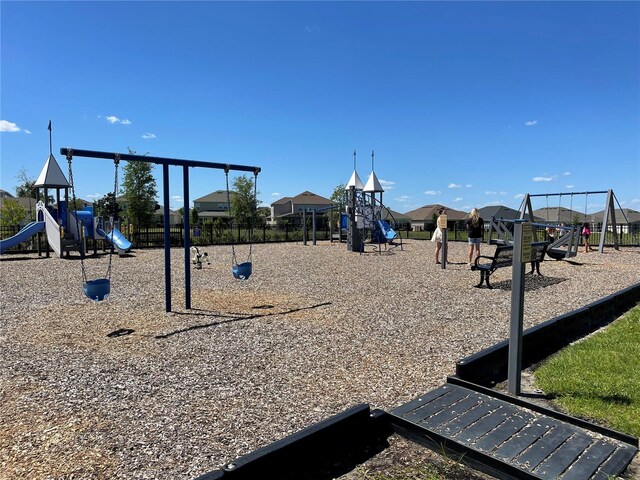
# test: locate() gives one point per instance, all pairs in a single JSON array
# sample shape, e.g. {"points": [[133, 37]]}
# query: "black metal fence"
{"points": [[211, 234]]}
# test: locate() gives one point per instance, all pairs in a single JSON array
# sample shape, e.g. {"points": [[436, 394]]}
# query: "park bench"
{"points": [[503, 257]]}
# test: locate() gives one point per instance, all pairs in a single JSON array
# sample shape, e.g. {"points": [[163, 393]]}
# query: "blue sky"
{"points": [[465, 104]]}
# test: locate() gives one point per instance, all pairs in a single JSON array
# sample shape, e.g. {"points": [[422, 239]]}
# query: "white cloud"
{"points": [[95, 195], [177, 198], [531, 123], [542, 179], [458, 199], [569, 186], [566, 174], [432, 192], [635, 200], [490, 193], [469, 185], [6, 126], [402, 198], [112, 119], [387, 185], [276, 194], [28, 132], [453, 185], [519, 195], [149, 136]]}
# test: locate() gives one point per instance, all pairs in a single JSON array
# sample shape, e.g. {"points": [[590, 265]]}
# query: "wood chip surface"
{"points": [[120, 389]]}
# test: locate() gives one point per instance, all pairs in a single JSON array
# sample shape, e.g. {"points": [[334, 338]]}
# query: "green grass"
{"points": [[598, 377], [426, 471]]}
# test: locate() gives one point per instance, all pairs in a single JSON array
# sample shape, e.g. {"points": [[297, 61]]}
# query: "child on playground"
{"points": [[475, 229], [437, 236], [586, 233]]}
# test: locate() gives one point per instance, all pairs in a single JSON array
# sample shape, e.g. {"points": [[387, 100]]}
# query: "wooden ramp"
{"points": [[509, 441]]}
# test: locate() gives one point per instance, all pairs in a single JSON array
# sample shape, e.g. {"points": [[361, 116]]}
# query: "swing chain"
{"points": [[116, 162], [233, 250], [75, 207]]}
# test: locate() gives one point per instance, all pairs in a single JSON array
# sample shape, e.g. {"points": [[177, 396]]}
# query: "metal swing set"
{"points": [[566, 240], [567, 243], [238, 270]]}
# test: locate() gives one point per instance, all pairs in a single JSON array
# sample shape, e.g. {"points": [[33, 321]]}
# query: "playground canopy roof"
{"points": [[373, 185], [51, 175], [355, 181]]}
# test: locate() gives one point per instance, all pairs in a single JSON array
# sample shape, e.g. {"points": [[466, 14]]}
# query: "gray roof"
{"points": [[425, 214], [498, 211], [310, 198], [558, 215], [305, 198], [633, 216], [216, 197], [5, 194]]}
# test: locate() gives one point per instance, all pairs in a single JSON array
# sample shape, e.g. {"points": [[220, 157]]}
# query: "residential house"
{"points": [[422, 218], [213, 205], [175, 218], [558, 216], [290, 208], [627, 220], [498, 212]]}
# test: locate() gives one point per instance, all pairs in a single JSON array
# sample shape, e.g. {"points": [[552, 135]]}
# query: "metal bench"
{"points": [[503, 257]]}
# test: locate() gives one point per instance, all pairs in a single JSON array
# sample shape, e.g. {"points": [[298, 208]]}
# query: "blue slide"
{"points": [[22, 236], [117, 238]]}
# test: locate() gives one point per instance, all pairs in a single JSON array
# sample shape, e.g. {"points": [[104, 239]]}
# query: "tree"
{"points": [[244, 204], [139, 191], [337, 197], [11, 213], [194, 216], [26, 188], [107, 206]]}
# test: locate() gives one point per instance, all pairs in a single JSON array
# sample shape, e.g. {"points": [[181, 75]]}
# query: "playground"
{"points": [[122, 389]]}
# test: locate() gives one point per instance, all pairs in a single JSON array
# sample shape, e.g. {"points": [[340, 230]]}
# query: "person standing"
{"points": [[437, 234], [475, 230], [586, 233]]}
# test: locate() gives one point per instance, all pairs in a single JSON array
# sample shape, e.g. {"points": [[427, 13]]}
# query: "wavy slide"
{"points": [[117, 238], [22, 236]]}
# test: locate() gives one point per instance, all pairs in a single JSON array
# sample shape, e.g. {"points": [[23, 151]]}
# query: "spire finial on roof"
{"points": [[372, 154], [50, 139]]}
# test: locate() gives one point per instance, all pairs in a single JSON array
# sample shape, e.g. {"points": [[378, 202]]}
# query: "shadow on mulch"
{"points": [[233, 318], [531, 283]]}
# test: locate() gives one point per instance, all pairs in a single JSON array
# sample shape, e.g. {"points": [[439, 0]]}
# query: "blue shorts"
{"points": [[474, 241]]}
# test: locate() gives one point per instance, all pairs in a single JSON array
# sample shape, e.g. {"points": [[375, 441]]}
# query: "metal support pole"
{"points": [[304, 226], [331, 224], [167, 238], [187, 239], [443, 250], [313, 223], [517, 311]]}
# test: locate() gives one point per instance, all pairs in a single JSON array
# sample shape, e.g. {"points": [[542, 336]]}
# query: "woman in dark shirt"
{"points": [[475, 229]]}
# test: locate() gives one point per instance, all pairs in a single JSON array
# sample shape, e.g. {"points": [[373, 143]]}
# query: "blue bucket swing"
{"points": [[241, 271], [98, 289]]}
